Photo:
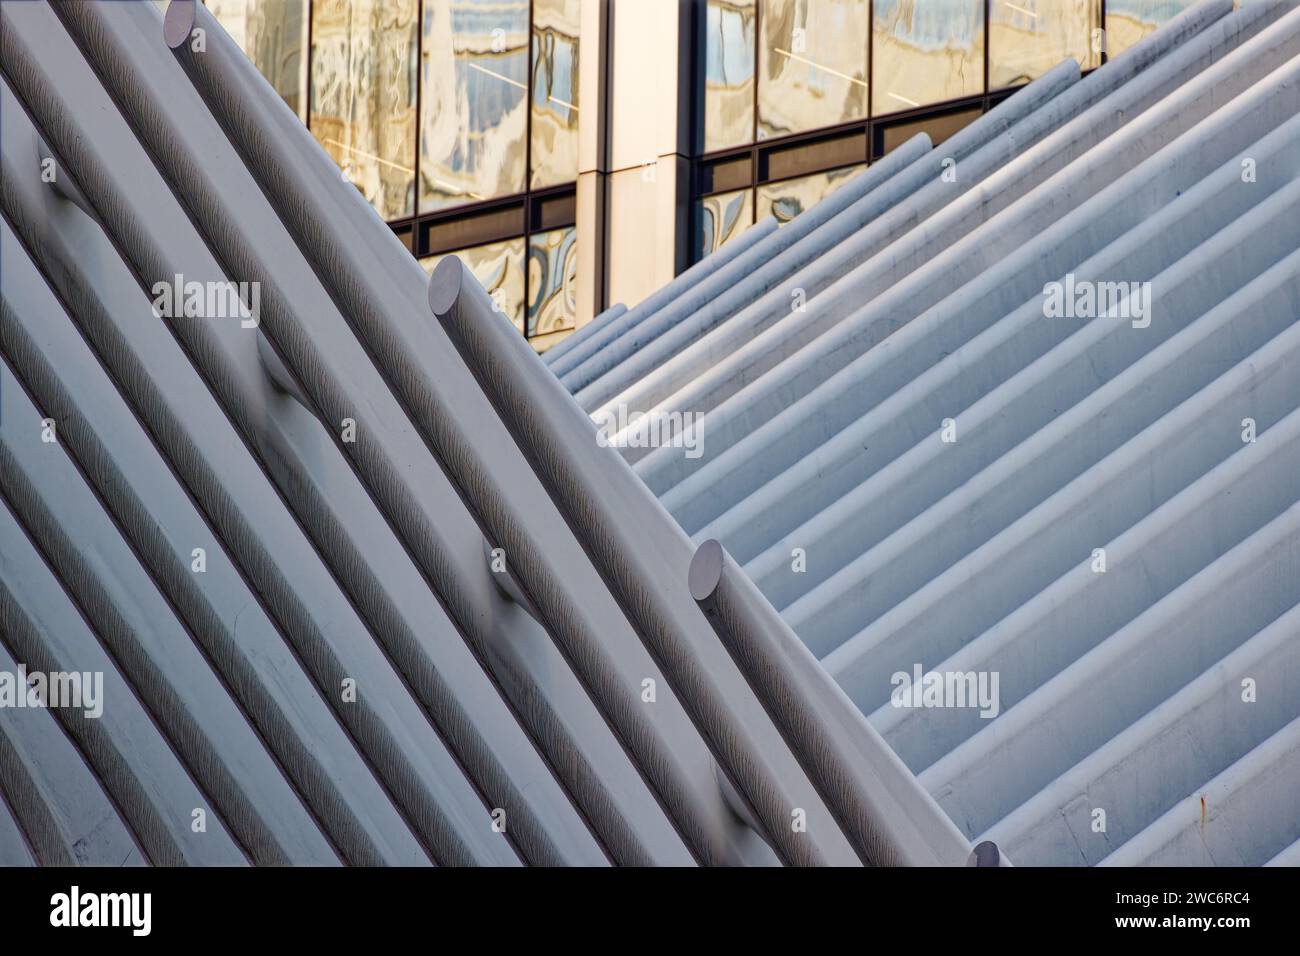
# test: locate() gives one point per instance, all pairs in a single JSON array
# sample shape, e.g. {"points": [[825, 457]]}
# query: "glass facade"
{"points": [[438, 111], [458, 120], [273, 33], [729, 73], [812, 64], [552, 274], [1128, 21], [774, 68], [553, 144], [478, 122], [925, 51], [441, 111], [474, 101], [363, 95], [1029, 37], [788, 198], [722, 218], [836, 84]]}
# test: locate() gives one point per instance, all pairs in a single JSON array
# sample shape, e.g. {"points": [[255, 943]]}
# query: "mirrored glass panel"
{"points": [[552, 284], [889, 136], [474, 101], [499, 268], [728, 74], [1029, 37], [363, 95], [812, 68], [925, 51], [1128, 21], [722, 218], [788, 198], [272, 33], [555, 92]]}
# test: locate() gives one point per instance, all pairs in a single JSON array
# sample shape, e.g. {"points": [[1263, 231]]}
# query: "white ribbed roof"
{"points": [[826, 360]]}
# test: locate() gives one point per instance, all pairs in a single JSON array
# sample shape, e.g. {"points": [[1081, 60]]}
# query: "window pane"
{"points": [[271, 33], [499, 268], [728, 74], [1128, 21], [723, 218], [474, 120], [926, 51], [552, 284], [555, 92], [363, 95], [889, 136], [812, 64], [1029, 37], [787, 199]]}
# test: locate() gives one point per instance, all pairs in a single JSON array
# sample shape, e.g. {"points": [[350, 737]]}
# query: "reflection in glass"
{"points": [[363, 95], [555, 92], [722, 218], [925, 51], [728, 74], [1128, 21], [1029, 37], [812, 68], [270, 32], [473, 113], [552, 284], [938, 127], [788, 198]]}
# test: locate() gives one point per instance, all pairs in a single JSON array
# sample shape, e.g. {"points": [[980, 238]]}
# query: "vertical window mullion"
{"points": [[419, 119], [306, 93], [988, 28], [530, 32]]}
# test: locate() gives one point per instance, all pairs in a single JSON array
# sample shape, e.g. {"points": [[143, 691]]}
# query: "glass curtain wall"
{"points": [[474, 101], [925, 52], [1029, 37], [782, 77], [274, 35], [458, 119], [729, 52], [445, 112], [812, 64], [362, 95], [1128, 21]]}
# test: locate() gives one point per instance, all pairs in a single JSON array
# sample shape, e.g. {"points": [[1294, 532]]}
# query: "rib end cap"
{"points": [[706, 570], [444, 285], [178, 21], [985, 854]]}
